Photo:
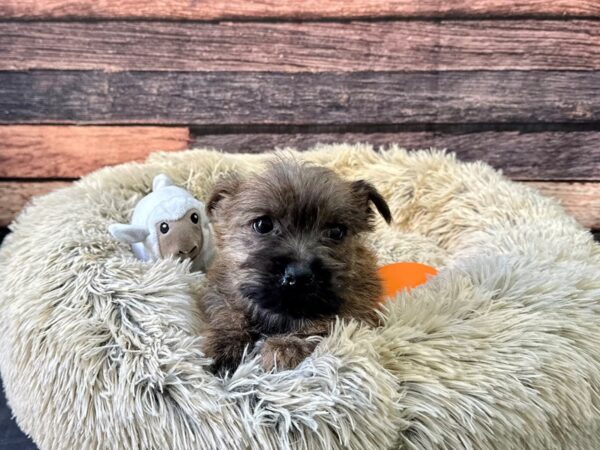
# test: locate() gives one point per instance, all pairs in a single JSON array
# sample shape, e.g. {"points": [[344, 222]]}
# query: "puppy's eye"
{"points": [[194, 218], [337, 232], [262, 225], [164, 228]]}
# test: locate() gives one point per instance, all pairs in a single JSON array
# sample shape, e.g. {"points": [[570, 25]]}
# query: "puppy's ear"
{"points": [[224, 188], [367, 192]]}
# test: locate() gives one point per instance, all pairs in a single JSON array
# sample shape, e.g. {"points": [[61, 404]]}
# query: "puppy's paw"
{"points": [[285, 352], [226, 348]]}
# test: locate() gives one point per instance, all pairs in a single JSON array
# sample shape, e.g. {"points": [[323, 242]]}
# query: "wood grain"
{"points": [[523, 156], [40, 151], [237, 98], [582, 200], [306, 9], [30, 151], [15, 195], [301, 47], [70, 152]]}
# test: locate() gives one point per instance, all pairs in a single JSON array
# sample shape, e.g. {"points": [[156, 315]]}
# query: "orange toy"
{"points": [[403, 275]]}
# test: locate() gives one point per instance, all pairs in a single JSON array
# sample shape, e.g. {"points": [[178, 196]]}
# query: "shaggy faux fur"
{"points": [[500, 350]]}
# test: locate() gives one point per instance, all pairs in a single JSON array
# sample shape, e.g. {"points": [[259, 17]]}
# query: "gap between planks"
{"points": [[581, 200], [292, 10], [301, 47]]}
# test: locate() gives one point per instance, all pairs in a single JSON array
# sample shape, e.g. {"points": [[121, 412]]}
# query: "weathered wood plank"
{"points": [[15, 196], [301, 47], [524, 156], [28, 151], [41, 151], [204, 98], [306, 9], [582, 200]]}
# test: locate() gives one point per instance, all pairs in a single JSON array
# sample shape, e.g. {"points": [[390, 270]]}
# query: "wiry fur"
{"points": [[245, 301], [499, 351]]}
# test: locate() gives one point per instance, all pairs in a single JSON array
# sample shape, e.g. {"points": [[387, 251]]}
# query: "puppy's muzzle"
{"points": [[297, 274]]}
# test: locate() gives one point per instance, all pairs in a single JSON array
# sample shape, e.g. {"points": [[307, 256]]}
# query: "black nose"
{"points": [[296, 274]]}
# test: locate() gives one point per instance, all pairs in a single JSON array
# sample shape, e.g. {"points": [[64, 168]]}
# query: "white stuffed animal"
{"points": [[168, 222]]}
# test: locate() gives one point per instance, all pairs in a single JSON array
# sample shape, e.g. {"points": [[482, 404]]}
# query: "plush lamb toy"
{"points": [[168, 222]]}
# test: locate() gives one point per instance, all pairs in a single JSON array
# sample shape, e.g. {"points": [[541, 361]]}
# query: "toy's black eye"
{"points": [[164, 228], [262, 225], [337, 232], [194, 218]]}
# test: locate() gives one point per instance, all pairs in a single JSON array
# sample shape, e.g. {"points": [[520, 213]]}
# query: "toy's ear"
{"points": [[224, 188], [367, 192], [128, 233], [160, 181]]}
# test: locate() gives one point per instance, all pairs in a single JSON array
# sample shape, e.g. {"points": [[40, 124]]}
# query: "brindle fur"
{"points": [[244, 302]]}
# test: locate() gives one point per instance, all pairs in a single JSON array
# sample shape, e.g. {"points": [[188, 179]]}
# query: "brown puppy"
{"points": [[289, 260]]}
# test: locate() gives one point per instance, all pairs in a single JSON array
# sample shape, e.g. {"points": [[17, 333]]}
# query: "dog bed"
{"points": [[499, 351]]}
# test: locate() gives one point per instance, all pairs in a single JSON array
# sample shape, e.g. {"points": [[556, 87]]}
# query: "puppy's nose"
{"points": [[297, 273]]}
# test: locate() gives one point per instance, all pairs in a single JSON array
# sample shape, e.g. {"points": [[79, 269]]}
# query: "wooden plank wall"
{"points": [[84, 84]]}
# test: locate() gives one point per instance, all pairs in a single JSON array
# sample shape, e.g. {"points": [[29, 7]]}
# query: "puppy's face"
{"points": [[288, 242]]}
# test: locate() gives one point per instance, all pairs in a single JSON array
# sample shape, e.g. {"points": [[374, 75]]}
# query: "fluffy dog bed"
{"points": [[500, 350]]}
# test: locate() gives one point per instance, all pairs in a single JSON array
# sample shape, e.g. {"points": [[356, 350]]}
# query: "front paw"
{"points": [[284, 352], [226, 349]]}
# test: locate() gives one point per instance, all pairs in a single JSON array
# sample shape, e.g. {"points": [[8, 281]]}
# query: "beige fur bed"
{"points": [[501, 350]]}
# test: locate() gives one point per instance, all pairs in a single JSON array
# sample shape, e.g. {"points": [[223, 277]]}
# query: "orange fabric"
{"points": [[404, 275]]}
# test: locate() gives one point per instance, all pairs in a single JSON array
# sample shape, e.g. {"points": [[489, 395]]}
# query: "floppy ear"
{"points": [[160, 181], [224, 188], [367, 191], [128, 233]]}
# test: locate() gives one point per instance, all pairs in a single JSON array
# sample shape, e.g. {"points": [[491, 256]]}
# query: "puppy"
{"points": [[289, 260]]}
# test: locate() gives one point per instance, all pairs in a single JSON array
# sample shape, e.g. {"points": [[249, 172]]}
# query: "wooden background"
{"points": [[87, 83]]}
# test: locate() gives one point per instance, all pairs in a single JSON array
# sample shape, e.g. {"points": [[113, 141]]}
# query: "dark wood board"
{"points": [[301, 47], [525, 156], [239, 98], [306, 9]]}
